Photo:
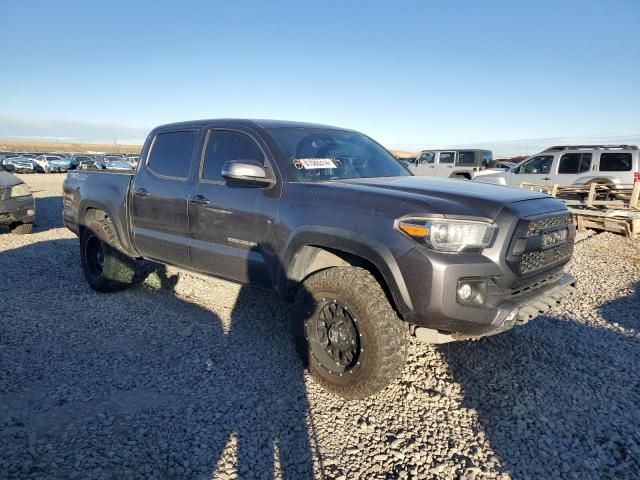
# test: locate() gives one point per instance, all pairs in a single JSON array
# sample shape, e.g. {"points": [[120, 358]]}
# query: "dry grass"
{"points": [[403, 154], [42, 146]]}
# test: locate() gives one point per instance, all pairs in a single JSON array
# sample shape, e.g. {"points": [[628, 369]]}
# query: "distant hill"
{"points": [[48, 146]]}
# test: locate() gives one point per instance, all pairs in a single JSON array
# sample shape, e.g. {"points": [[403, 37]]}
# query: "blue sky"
{"points": [[510, 75]]}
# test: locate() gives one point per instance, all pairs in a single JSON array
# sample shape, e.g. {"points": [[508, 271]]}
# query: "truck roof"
{"points": [[248, 123]]}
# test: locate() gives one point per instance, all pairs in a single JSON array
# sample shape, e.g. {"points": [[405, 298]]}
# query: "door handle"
{"points": [[200, 200], [546, 178], [449, 166], [142, 192]]}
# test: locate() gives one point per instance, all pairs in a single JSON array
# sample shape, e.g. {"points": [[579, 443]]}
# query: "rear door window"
{"points": [[615, 162], [446, 157], [226, 145], [573, 163], [171, 153]]}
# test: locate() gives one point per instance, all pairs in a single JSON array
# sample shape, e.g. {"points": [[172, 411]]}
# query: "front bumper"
{"points": [[432, 283], [16, 210], [525, 307]]}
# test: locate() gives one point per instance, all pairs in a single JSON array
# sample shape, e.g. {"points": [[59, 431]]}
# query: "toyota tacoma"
{"points": [[328, 219]]}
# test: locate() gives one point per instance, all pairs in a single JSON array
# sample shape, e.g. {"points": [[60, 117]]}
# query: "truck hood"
{"points": [[452, 198]]}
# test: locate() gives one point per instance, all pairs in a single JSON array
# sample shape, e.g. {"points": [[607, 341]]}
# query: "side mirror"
{"points": [[246, 171]]}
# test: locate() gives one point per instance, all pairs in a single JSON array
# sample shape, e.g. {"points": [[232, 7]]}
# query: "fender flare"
{"points": [[123, 238], [353, 243]]}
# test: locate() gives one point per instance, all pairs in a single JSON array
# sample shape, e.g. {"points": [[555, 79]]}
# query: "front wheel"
{"points": [[105, 268], [354, 343]]}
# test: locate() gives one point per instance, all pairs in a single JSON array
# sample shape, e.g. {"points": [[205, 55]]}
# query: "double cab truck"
{"points": [[368, 253]]}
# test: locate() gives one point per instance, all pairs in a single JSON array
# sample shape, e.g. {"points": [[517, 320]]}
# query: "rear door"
{"points": [[231, 224], [159, 207], [573, 166], [444, 168]]}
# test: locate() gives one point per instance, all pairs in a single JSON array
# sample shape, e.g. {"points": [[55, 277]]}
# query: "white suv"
{"points": [[574, 164], [451, 163]]}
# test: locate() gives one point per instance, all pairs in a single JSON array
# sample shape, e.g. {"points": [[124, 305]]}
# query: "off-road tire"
{"points": [[383, 334], [117, 270], [21, 228]]}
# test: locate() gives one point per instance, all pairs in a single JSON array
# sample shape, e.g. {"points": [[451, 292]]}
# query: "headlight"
{"points": [[449, 235], [20, 190]]}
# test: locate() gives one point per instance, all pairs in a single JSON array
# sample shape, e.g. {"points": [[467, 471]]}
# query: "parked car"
{"points": [[328, 217], [117, 165], [17, 207], [91, 164], [133, 160], [7, 155], [61, 165], [51, 163], [616, 165], [502, 165], [451, 163], [19, 165], [495, 167], [75, 159]]}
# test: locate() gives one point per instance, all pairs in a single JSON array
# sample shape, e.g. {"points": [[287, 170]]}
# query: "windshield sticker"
{"points": [[315, 163]]}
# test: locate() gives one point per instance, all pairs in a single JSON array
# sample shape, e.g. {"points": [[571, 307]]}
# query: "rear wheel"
{"points": [[354, 343], [21, 228], [105, 268]]}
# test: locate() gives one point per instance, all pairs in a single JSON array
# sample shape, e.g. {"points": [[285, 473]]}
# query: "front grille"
{"points": [[541, 243], [532, 261], [549, 222]]}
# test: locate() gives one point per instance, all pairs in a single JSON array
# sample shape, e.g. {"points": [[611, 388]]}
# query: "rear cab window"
{"points": [[171, 153]]}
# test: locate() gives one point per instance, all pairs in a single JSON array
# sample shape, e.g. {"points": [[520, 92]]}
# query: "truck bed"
{"points": [[103, 190]]}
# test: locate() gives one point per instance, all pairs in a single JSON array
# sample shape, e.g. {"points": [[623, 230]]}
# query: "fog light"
{"points": [[464, 292], [30, 212], [472, 291]]}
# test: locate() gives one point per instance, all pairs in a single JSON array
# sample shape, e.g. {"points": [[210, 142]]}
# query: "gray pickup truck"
{"points": [[329, 220]]}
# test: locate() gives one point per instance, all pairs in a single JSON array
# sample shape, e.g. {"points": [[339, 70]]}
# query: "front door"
{"points": [[159, 208], [231, 224], [445, 164], [425, 164]]}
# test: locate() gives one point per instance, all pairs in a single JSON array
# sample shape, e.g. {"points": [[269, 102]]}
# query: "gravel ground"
{"points": [[198, 379]]}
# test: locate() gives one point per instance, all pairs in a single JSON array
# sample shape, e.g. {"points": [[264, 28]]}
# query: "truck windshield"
{"points": [[320, 154]]}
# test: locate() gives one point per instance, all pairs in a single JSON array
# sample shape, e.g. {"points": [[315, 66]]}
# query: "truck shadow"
{"points": [[144, 383], [624, 311], [543, 403], [48, 213]]}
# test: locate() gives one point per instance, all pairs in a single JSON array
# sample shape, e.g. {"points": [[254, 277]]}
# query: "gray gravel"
{"points": [[198, 379]]}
